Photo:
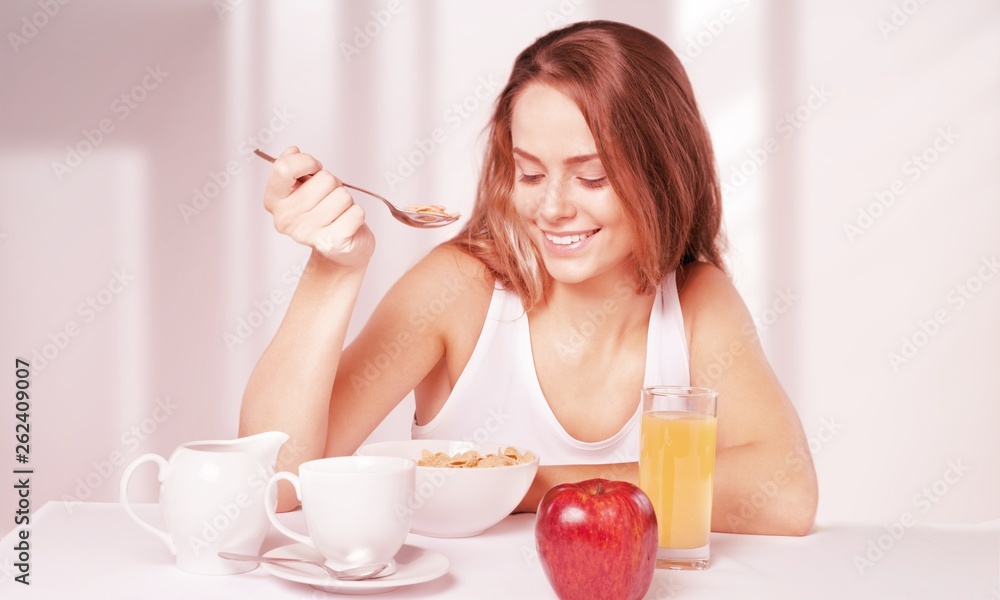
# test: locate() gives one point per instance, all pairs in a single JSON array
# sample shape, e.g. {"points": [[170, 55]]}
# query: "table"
{"points": [[93, 550]]}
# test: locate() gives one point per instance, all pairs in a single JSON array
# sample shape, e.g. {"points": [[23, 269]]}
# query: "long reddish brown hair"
{"points": [[657, 153]]}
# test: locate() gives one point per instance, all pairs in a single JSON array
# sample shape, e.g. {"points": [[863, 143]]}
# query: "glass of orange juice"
{"points": [[676, 468]]}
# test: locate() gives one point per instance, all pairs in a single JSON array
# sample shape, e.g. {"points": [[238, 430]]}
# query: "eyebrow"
{"points": [[573, 160]]}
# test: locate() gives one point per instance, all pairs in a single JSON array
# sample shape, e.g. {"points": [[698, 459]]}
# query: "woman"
{"points": [[589, 267]]}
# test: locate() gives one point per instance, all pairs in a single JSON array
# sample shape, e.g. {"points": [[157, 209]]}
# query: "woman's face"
{"points": [[561, 189]]}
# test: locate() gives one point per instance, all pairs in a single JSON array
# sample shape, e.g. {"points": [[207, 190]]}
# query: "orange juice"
{"points": [[676, 460]]}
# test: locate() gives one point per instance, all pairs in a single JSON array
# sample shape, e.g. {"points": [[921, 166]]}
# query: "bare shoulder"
{"points": [[447, 271], [701, 283], [446, 287], [450, 260], [426, 312], [710, 303]]}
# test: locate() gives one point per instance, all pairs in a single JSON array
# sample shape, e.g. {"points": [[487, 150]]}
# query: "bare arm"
{"points": [[326, 397], [751, 489], [765, 481], [289, 389], [552, 475], [398, 347]]}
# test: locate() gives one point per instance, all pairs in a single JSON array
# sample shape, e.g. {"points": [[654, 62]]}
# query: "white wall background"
{"points": [[880, 434]]}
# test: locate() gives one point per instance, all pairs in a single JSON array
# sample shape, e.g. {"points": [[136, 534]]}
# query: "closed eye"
{"points": [[594, 183], [530, 179]]}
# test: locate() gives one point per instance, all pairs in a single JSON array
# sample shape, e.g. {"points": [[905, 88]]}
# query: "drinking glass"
{"points": [[676, 468]]}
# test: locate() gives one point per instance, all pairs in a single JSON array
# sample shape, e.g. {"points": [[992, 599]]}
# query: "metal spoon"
{"points": [[355, 574], [412, 218]]}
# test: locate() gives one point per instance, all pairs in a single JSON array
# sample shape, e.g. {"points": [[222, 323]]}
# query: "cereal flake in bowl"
{"points": [[462, 488]]}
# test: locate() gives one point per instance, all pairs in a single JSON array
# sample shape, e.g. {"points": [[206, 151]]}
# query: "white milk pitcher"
{"points": [[212, 499]]}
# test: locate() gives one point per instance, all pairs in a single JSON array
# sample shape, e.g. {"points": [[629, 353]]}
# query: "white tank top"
{"points": [[498, 399]]}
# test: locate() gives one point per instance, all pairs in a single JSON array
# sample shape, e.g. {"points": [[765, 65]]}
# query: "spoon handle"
{"points": [[235, 556], [271, 159], [353, 574], [419, 218], [267, 559], [278, 560], [306, 178], [390, 205]]}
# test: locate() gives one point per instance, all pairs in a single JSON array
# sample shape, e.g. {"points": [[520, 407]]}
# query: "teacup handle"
{"points": [[271, 505], [123, 493]]}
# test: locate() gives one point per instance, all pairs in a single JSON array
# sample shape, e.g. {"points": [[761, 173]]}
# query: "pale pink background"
{"points": [[880, 435]]}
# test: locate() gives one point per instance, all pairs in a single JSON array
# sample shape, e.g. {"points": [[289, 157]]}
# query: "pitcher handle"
{"points": [[271, 505], [123, 493]]}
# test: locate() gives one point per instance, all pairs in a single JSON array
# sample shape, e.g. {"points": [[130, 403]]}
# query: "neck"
{"points": [[603, 309]]}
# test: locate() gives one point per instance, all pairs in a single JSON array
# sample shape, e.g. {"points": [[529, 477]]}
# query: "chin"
{"points": [[572, 276], [575, 274], [564, 272], [572, 270]]}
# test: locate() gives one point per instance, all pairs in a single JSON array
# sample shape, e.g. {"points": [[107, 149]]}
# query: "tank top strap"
{"points": [[667, 356]]}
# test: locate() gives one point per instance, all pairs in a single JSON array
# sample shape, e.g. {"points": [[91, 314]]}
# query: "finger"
{"points": [[308, 195], [329, 209], [290, 150], [352, 220], [338, 234], [287, 168], [290, 213]]}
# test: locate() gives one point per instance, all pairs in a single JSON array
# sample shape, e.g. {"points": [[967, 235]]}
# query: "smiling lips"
{"points": [[569, 238]]}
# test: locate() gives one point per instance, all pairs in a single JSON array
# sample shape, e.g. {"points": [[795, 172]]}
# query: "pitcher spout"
{"points": [[264, 446]]}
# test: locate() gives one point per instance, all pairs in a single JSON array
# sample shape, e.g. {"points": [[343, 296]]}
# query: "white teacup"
{"points": [[355, 507]]}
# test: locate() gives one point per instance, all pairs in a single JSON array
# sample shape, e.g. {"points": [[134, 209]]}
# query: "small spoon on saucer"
{"points": [[422, 217], [355, 574]]}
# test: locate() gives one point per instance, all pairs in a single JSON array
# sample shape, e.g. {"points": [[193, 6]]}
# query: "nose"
{"points": [[553, 203]]}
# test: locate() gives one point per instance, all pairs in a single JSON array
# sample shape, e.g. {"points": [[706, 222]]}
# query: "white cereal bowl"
{"points": [[451, 502]]}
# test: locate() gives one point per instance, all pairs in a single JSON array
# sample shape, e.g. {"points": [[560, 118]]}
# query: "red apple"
{"points": [[597, 539]]}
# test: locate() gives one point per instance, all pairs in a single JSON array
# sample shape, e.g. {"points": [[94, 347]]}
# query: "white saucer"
{"points": [[413, 565]]}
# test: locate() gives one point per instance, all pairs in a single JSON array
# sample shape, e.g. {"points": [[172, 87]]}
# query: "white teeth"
{"points": [[567, 239]]}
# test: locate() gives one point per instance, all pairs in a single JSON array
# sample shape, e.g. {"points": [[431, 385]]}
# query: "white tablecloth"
{"points": [[94, 550]]}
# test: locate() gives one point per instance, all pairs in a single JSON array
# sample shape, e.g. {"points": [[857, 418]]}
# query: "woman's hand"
{"points": [[319, 213]]}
